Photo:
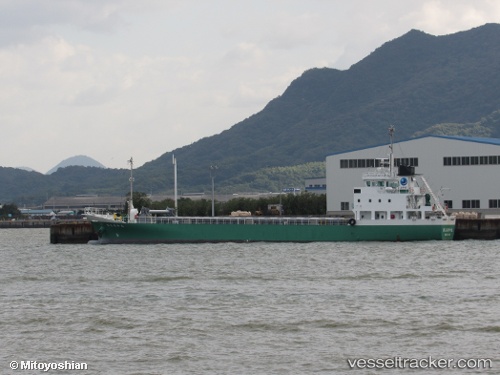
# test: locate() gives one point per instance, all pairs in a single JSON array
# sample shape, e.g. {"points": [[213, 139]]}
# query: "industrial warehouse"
{"points": [[462, 171]]}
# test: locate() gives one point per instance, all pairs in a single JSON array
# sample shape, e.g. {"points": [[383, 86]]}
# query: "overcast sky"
{"points": [[112, 79]]}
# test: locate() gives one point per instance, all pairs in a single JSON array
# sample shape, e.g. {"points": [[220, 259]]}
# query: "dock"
{"points": [[76, 232], [477, 229], [6, 224]]}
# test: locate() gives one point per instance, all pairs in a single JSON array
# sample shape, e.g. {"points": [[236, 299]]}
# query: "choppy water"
{"points": [[246, 308]]}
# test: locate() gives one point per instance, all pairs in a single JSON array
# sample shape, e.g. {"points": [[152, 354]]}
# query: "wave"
{"points": [[163, 279], [492, 329]]}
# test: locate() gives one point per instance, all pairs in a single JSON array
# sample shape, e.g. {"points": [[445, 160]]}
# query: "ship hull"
{"points": [[119, 232]]}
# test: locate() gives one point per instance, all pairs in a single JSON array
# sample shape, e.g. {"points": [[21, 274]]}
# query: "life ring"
{"points": [[351, 222]]}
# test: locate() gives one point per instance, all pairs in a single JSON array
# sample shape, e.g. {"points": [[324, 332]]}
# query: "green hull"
{"points": [[118, 232]]}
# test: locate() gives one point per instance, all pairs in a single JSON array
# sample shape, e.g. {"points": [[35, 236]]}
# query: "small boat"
{"points": [[394, 204], [96, 213]]}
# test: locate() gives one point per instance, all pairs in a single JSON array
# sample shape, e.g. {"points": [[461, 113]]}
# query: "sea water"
{"points": [[254, 308]]}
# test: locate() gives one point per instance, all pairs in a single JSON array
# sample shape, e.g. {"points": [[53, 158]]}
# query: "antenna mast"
{"points": [[391, 149]]}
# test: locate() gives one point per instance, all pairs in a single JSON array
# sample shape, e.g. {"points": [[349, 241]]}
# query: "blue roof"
{"points": [[490, 141]]}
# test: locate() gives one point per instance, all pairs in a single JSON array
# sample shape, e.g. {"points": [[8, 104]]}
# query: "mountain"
{"points": [[413, 82], [80, 160], [418, 82]]}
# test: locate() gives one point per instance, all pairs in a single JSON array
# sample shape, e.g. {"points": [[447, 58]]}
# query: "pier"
{"points": [[72, 232], [26, 223], [477, 229]]}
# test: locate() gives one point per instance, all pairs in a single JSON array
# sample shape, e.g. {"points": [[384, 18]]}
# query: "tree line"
{"points": [[303, 204], [9, 211]]}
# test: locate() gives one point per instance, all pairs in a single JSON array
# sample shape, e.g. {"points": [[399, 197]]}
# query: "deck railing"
{"points": [[226, 220]]}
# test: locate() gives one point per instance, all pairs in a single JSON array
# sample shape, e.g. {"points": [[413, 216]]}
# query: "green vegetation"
{"points": [[488, 126], [9, 211], [304, 204]]}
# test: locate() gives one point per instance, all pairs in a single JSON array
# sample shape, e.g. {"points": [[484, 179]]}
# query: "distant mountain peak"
{"points": [[78, 160]]}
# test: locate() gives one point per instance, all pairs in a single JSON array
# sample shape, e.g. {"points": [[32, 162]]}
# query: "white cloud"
{"points": [[441, 17], [289, 31], [245, 55]]}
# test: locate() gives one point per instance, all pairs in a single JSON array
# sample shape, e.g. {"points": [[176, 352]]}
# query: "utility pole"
{"points": [[131, 202], [174, 162]]}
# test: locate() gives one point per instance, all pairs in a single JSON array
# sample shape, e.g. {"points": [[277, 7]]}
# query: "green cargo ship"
{"points": [[390, 206], [269, 229]]}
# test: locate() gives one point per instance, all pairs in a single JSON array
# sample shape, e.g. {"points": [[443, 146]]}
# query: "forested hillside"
{"points": [[413, 82]]}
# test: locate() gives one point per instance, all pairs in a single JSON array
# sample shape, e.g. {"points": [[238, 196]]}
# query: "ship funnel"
{"points": [[406, 170]]}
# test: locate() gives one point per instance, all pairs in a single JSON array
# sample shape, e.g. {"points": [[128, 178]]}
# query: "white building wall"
{"points": [[472, 182]]}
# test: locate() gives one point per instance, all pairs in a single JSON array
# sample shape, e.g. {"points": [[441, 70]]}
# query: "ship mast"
{"points": [[391, 148]]}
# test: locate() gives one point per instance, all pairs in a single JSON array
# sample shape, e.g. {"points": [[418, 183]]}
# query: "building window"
{"points": [[410, 162], [448, 204], [344, 206], [471, 160], [494, 203], [375, 163], [473, 203]]}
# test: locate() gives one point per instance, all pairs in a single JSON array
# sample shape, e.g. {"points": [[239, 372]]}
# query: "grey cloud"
{"points": [[30, 20]]}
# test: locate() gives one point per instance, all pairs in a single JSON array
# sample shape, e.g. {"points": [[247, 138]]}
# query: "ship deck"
{"points": [[254, 220]]}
